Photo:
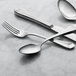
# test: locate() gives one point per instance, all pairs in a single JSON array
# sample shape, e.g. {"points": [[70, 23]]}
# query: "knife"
{"points": [[24, 14]]}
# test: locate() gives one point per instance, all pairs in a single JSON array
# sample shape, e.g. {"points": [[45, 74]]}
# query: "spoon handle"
{"points": [[59, 41], [66, 31]]}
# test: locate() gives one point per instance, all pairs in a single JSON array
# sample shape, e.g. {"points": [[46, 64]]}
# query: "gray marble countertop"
{"points": [[53, 60]]}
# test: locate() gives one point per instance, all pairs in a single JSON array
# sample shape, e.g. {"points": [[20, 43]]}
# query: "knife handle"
{"points": [[26, 15], [63, 43]]}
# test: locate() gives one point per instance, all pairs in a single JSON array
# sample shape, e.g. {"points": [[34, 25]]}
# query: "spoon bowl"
{"points": [[67, 9], [29, 49]]}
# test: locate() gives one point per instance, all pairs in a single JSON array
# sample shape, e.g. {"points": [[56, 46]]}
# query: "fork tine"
{"points": [[6, 27], [10, 28]]}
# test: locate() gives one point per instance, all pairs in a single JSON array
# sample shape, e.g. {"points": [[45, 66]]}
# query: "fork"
{"points": [[17, 32], [21, 33]]}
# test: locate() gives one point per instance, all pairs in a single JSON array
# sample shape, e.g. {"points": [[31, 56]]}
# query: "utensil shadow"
{"points": [[9, 36], [62, 19], [27, 59], [13, 36]]}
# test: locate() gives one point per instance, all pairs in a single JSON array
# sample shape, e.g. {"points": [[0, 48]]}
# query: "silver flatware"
{"points": [[67, 9], [24, 14], [34, 48], [20, 33], [17, 32]]}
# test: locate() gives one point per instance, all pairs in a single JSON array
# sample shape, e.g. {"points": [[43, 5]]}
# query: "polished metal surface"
{"points": [[67, 9], [20, 33], [24, 14], [33, 48]]}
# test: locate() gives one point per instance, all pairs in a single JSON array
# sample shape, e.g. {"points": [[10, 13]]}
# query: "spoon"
{"points": [[67, 9], [21, 33], [33, 48]]}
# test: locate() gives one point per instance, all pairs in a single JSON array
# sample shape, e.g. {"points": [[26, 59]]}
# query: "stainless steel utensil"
{"points": [[67, 9], [33, 48], [20, 33], [17, 32], [24, 14]]}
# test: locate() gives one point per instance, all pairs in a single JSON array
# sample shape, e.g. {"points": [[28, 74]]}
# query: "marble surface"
{"points": [[53, 60]]}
